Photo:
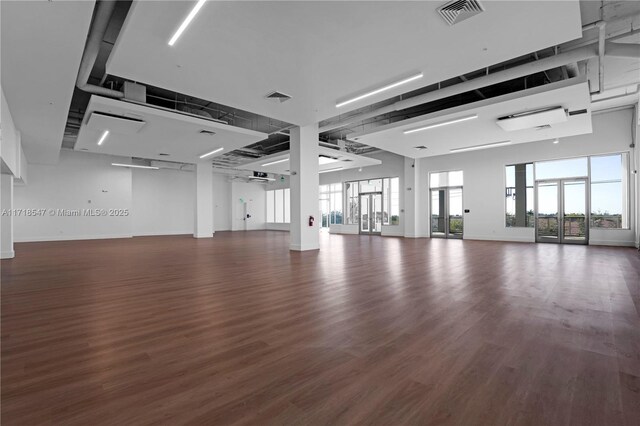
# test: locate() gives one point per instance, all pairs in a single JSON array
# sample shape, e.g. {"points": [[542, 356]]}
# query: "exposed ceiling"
{"points": [[572, 95], [329, 159], [318, 52], [41, 48], [163, 132]]}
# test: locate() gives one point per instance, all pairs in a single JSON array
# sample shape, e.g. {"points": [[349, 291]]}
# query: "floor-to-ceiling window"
{"points": [[571, 195], [389, 188], [278, 206], [446, 204], [330, 204]]}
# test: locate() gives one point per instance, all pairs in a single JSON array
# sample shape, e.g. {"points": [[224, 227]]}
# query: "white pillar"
{"points": [[6, 220], [303, 163], [412, 198], [204, 201]]}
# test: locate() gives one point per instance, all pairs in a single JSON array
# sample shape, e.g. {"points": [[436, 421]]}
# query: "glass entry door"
{"points": [[371, 213], [561, 211], [446, 212]]}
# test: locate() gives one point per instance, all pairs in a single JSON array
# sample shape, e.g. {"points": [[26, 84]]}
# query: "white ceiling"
{"points": [[235, 53], [345, 160], [570, 94], [42, 44], [164, 132]]}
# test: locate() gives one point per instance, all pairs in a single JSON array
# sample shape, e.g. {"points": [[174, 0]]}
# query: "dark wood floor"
{"points": [[369, 330]]}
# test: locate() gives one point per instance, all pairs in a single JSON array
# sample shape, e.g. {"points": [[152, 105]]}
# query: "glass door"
{"points": [[447, 213], [371, 213], [454, 212], [575, 226], [561, 211]]}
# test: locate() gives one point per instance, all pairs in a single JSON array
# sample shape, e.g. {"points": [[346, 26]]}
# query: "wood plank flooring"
{"points": [[369, 330]]}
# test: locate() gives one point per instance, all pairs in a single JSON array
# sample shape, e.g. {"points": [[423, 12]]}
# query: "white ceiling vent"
{"points": [[458, 10], [277, 96]]}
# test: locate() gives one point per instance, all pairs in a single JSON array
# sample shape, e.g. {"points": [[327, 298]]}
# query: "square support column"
{"points": [[203, 223], [412, 198], [6, 220], [303, 163]]}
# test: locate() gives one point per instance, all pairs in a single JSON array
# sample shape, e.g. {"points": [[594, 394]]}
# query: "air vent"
{"points": [[163, 154], [544, 126], [459, 10], [420, 147], [277, 96], [207, 132]]}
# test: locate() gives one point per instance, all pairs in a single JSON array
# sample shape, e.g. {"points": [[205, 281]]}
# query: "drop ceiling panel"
{"points": [[572, 95], [235, 53], [42, 44], [329, 159], [164, 132]]}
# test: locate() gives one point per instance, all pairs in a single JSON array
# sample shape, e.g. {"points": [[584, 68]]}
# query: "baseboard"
{"points": [[7, 254], [161, 234], [495, 238], [71, 238], [299, 247], [612, 243]]}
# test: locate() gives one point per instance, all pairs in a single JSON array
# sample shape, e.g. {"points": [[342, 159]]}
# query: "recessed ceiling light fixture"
{"points": [[331, 170], [275, 162], [556, 141], [380, 90], [186, 21], [103, 137], [483, 146], [444, 123], [211, 153], [134, 166]]}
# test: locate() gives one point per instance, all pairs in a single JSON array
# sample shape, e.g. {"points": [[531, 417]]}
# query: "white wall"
{"points": [[221, 202], [78, 181], [162, 202], [9, 139], [254, 195], [484, 178]]}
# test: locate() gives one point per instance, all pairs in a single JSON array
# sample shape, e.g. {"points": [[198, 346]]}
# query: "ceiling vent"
{"points": [[207, 132], [277, 96], [420, 147], [459, 10], [533, 119]]}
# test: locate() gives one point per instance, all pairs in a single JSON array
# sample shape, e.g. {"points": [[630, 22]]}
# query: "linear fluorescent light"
{"points": [[103, 137], [444, 123], [380, 90], [486, 145], [211, 153], [331, 170], [186, 21], [275, 162], [134, 166]]}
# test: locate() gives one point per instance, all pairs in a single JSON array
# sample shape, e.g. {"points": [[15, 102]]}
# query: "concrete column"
{"points": [[412, 198], [303, 163], [204, 201], [6, 219]]}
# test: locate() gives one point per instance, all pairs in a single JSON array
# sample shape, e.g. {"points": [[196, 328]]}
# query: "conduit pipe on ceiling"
{"points": [[104, 10], [573, 56]]}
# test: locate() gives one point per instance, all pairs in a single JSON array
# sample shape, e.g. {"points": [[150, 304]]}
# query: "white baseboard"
{"points": [[299, 247], [71, 238], [7, 254], [160, 234], [611, 243], [499, 238]]}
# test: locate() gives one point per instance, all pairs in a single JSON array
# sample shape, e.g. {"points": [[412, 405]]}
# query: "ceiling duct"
{"points": [[458, 10]]}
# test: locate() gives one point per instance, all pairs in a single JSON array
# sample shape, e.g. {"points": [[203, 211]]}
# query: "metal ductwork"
{"points": [[104, 10], [623, 50], [573, 56]]}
